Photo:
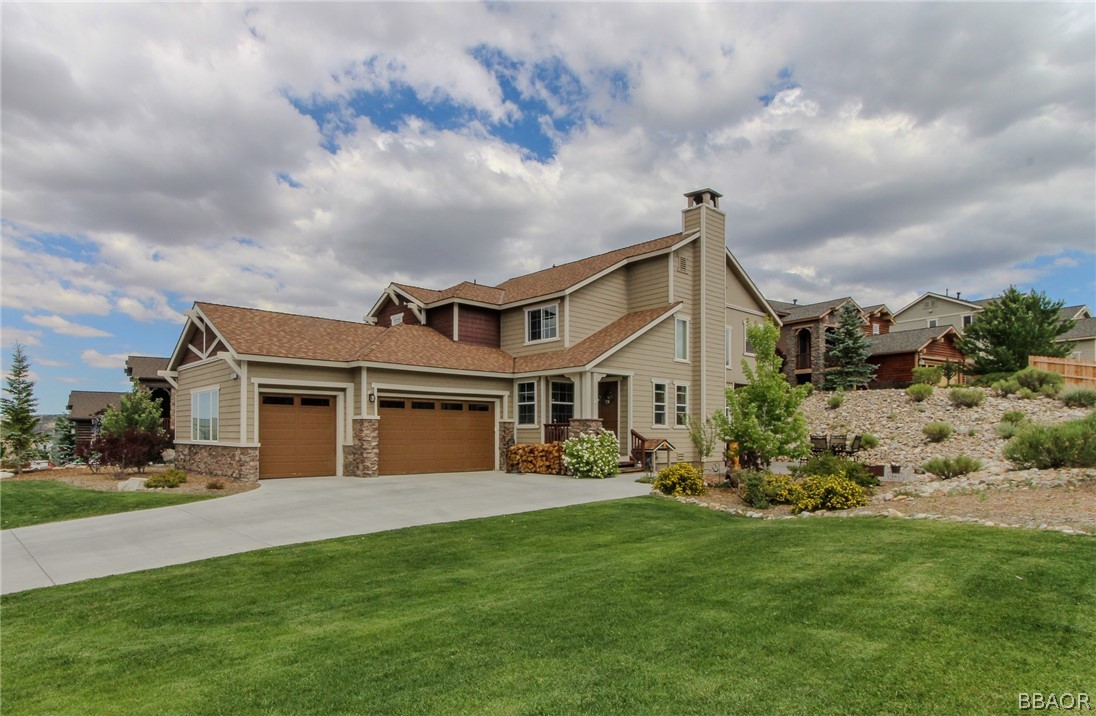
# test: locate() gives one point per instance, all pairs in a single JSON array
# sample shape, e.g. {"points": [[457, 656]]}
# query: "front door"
{"points": [[608, 402]]}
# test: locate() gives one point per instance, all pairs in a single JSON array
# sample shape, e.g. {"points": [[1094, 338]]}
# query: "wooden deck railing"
{"points": [[637, 447], [803, 361], [555, 432], [1077, 372]]}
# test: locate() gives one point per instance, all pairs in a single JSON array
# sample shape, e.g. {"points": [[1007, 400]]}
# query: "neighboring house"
{"points": [[896, 354], [146, 369], [803, 333], [931, 310], [636, 340], [1083, 339], [85, 408]]}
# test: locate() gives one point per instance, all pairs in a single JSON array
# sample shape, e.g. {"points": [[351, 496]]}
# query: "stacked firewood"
{"points": [[537, 458]]}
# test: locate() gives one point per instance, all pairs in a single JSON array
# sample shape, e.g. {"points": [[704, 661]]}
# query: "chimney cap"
{"points": [[703, 196]]}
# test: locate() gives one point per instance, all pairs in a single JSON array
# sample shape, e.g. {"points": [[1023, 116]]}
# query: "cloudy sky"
{"points": [[299, 157]]}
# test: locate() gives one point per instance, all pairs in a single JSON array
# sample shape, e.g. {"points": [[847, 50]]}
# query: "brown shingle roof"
{"points": [[593, 346], [86, 404], [251, 331], [406, 344], [145, 366], [905, 341], [806, 311]]}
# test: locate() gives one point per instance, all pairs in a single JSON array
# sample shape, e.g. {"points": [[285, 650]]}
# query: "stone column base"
{"points": [[506, 439], [578, 426], [362, 459]]}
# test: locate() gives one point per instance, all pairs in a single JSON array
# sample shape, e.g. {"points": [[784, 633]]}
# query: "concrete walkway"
{"points": [[280, 512]]}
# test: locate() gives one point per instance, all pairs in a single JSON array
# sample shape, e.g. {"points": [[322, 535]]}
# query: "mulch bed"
{"points": [[105, 480]]}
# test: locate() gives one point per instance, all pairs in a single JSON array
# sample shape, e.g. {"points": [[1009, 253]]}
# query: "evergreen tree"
{"points": [[17, 410], [847, 352], [64, 441], [1012, 328], [763, 416]]}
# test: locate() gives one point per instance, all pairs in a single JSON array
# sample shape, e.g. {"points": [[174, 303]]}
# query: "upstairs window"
{"points": [[932, 323], [681, 339], [967, 320], [875, 329], [727, 335], [542, 324], [747, 347], [204, 411], [527, 403]]}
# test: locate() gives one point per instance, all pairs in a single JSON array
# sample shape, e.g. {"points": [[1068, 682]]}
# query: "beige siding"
{"points": [[650, 357], [648, 283], [737, 320], [512, 330], [684, 282], [298, 376], [1084, 349], [454, 385], [596, 305], [714, 307], [215, 373], [946, 313], [737, 293]]}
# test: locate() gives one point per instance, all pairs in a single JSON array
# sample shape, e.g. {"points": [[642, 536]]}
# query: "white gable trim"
{"points": [[752, 288]]}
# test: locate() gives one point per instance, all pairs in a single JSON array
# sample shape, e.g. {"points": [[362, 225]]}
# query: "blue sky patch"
{"points": [[784, 81]]}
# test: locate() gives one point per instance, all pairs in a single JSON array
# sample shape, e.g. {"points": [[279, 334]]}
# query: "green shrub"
{"points": [[595, 455], [937, 432], [869, 441], [1006, 387], [1006, 430], [1026, 394], [834, 402], [1040, 381], [808, 389], [949, 467], [680, 479], [928, 376], [829, 492], [987, 380], [966, 397], [1014, 416], [1079, 398], [829, 464], [754, 488], [919, 392], [1069, 444], [167, 478]]}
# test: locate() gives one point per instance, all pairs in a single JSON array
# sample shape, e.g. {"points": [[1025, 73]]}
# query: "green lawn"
{"points": [[629, 607], [32, 502]]}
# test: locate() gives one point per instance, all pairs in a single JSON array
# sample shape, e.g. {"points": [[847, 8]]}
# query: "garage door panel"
{"points": [[297, 436], [418, 436]]}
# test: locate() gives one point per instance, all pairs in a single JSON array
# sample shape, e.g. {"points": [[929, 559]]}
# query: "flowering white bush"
{"points": [[592, 455]]}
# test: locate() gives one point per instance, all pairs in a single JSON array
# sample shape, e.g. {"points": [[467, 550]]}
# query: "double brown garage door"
{"points": [[421, 435], [297, 435]]}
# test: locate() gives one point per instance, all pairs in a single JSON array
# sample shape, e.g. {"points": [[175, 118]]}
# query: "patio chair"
{"points": [[854, 446], [819, 444], [839, 444]]}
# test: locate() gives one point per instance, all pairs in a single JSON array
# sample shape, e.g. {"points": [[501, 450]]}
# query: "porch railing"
{"points": [[803, 361], [555, 432]]}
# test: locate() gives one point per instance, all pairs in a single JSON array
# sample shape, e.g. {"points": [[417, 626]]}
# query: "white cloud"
{"points": [[65, 327], [50, 363], [10, 336], [95, 359]]}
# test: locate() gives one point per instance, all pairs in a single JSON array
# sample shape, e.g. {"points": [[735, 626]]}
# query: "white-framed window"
{"points": [[660, 403], [681, 339], [932, 323], [747, 347], [681, 406], [527, 403], [875, 329], [542, 323], [204, 423], [563, 401], [728, 334]]}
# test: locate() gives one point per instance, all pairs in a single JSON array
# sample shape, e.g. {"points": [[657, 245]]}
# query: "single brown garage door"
{"points": [[297, 435], [436, 436]]}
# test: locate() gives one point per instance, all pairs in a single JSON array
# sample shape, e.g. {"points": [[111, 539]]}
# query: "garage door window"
{"points": [[203, 416], [316, 402]]}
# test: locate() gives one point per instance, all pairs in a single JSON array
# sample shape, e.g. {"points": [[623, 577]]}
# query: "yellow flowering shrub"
{"points": [[680, 479], [829, 492]]}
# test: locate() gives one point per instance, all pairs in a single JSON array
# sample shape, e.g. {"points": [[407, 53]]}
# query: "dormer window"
{"points": [[396, 319], [542, 323]]}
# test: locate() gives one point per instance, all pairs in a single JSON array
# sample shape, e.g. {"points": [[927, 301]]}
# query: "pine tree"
{"points": [[847, 352], [17, 410], [1013, 328], [64, 441], [763, 416]]}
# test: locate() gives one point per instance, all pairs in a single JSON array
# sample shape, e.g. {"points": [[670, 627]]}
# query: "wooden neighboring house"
{"points": [[85, 408], [637, 340], [931, 310], [804, 328], [146, 370], [1082, 339], [897, 353]]}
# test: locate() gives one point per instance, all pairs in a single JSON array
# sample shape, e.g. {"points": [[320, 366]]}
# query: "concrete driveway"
{"points": [[280, 512]]}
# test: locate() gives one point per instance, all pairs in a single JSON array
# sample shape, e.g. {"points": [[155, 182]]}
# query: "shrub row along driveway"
{"points": [[280, 512]]}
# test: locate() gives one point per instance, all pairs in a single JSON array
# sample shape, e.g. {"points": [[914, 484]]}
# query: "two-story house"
{"points": [[934, 310], [637, 340]]}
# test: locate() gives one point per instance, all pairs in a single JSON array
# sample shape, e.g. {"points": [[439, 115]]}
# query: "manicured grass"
{"points": [[32, 502], [638, 606]]}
